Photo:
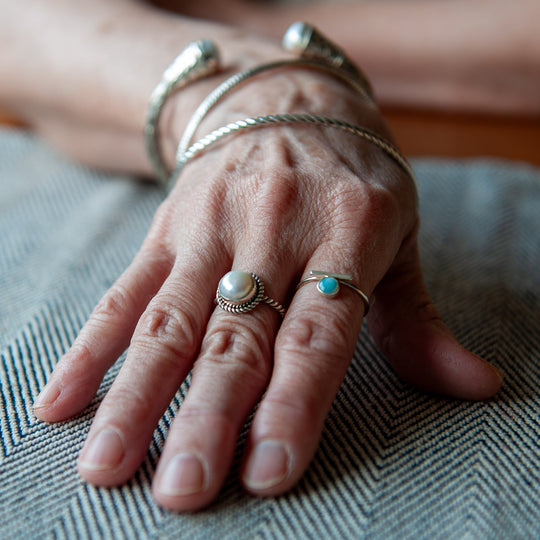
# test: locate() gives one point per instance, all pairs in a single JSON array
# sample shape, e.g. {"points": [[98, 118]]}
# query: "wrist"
{"points": [[285, 89], [272, 86]]}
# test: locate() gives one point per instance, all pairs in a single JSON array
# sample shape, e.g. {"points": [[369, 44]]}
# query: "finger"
{"points": [[234, 363], [410, 332], [313, 350], [77, 376], [316, 342], [229, 376], [160, 355]]}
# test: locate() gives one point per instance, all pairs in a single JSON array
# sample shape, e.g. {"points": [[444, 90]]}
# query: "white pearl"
{"points": [[296, 37], [237, 286]]}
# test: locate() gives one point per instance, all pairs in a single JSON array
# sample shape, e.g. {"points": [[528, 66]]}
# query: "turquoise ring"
{"points": [[328, 284]]}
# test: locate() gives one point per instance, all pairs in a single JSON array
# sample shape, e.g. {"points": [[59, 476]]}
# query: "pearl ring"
{"points": [[240, 292]]}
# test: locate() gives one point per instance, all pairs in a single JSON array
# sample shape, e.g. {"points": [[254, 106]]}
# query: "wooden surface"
{"points": [[421, 133], [7, 119]]}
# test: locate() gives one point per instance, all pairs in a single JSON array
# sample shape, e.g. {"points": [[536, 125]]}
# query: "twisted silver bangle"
{"points": [[283, 119], [225, 87], [198, 59]]}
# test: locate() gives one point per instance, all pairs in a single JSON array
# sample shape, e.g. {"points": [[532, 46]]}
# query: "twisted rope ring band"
{"points": [[240, 292], [281, 119]]}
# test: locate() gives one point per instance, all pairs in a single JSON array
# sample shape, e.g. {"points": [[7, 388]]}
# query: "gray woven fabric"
{"points": [[393, 462]]}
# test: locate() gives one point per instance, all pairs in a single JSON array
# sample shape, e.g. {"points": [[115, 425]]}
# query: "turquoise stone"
{"points": [[328, 286]]}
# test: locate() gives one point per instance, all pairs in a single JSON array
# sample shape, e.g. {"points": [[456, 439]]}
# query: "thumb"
{"points": [[409, 331]]}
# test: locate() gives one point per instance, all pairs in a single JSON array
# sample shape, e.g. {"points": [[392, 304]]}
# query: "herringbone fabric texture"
{"points": [[393, 462]]}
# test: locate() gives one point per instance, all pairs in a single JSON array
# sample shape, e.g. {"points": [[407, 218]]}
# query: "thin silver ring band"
{"points": [[341, 279], [281, 119]]}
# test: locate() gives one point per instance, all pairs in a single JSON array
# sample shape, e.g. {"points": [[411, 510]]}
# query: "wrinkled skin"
{"points": [[277, 202]]}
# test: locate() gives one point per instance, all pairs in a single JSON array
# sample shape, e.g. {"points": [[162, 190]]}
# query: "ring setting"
{"points": [[240, 292], [328, 286]]}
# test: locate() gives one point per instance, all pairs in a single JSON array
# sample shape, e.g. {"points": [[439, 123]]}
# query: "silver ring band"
{"points": [[328, 285], [241, 292]]}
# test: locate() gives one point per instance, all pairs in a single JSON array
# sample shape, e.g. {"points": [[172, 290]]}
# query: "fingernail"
{"points": [[105, 451], [185, 474], [267, 466], [47, 396]]}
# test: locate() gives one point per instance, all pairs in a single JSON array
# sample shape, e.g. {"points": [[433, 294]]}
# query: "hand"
{"points": [[278, 202]]}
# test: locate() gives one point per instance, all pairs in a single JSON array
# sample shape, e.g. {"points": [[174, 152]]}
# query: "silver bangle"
{"points": [[198, 59], [284, 119], [316, 51], [225, 87], [306, 41]]}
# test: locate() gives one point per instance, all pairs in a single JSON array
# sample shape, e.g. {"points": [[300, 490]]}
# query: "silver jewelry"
{"points": [[225, 87], [316, 52], [281, 119], [328, 285], [240, 292], [197, 60], [305, 40]]}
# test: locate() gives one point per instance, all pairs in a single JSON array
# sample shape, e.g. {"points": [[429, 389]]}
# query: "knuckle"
{"points": [[278, 193], [115, 304], [208, 417], [157, 256], [245, 349], [314, 334], [121, 395], [382, 203], [353, 208], [82, 351], [391, 335], [79, 361], [277, 200], [280, 406], [427, 312], [80, 368], [163, 325]]}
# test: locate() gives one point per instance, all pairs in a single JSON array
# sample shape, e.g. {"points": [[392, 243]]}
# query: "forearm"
{"points": [[81, 73], [480, 55]]}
